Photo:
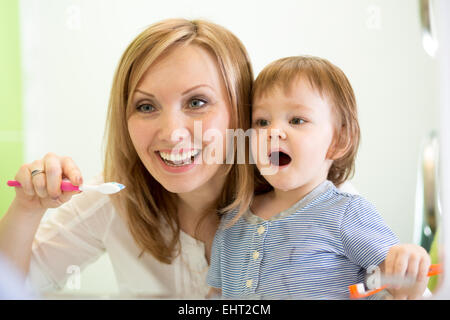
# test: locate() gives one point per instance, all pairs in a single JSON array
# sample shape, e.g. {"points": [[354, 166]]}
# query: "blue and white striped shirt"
{"points": [[313, 250]]}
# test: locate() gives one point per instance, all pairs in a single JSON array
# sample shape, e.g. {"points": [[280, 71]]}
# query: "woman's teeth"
{"points": [[177, 159]]}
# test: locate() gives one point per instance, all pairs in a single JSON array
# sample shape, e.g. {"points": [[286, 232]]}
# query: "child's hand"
{"points": [[409, 262], [214, 293]]}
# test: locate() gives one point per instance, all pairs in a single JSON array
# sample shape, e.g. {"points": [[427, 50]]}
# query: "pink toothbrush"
{"points": [[105, 188]]}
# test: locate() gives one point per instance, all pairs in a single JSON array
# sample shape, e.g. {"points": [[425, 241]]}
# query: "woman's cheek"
{"points": [[132, 133], [140, 135], [214, 131]]}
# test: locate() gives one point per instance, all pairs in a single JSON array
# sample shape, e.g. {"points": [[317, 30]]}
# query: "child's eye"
{"points": [[261, 122], [197, 103], [297, 121], [145, 108]]}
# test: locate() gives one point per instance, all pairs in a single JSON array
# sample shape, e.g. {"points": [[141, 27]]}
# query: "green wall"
{"points": [[11, 137]]}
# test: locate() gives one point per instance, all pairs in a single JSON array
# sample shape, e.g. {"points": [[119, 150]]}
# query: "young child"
{"points": [[303, 238]]}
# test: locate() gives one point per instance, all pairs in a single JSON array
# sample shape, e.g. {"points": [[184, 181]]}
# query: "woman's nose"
{"points": [[173, 128]]}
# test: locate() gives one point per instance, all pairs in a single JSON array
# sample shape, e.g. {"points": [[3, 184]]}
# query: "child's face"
{"points": [[299, 126]]}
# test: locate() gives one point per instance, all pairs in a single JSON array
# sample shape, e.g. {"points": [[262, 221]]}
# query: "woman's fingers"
{"points": [[44, 188], [66, 196], [24, 178], [38, 181], [71, 171], [53, 173], [55, 169]]}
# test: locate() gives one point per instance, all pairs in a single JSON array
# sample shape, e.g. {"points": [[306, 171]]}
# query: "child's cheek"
{"points": [[254, 147], [259, 148]]}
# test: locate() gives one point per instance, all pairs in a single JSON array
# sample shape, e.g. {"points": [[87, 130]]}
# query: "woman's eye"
{"points": [[262, 122], [297, 121], [196, 103], [145, 108]]}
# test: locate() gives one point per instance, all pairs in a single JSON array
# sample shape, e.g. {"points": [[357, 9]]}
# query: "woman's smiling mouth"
{"points": [[178, 158]]}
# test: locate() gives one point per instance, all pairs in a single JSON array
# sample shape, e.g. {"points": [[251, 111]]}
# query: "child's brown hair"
{"points": [[333, 85]]}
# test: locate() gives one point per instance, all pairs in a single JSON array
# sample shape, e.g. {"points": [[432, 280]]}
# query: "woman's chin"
{"points": [[181, 184], [179, 187]]}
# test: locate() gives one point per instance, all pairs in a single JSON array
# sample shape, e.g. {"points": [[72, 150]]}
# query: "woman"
{"points": [[175, 76]]}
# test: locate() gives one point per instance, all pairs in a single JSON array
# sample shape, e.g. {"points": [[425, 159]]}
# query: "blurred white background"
{"points": [[70, 49]]}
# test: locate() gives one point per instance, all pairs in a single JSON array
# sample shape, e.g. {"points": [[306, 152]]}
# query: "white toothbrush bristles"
{"points": [[105, 188], [360, 288]]}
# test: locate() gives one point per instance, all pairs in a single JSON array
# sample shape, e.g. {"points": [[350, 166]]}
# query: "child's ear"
{"points": [[339, 146]]}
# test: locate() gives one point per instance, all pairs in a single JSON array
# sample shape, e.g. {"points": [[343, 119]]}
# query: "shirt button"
{"points": [[261, 230], [256, 255], [248, 283]]}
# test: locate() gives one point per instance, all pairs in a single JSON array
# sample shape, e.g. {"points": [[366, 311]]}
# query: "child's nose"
{"points": [[277, 134]]}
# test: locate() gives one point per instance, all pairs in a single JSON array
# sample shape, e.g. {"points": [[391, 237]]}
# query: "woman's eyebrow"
{"points": [[146, 93], [197, 86], [184, 92]]}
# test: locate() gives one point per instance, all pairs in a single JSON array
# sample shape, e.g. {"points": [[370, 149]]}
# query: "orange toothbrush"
{"points": [[358, 291]]}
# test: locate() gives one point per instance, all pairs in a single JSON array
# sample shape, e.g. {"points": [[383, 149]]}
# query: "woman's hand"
{"points": [[43, 190], [407, 262]]}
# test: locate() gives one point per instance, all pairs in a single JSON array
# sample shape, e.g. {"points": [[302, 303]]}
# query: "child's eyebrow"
{"points": [[259, 107], [295, 106], [302, 107]]}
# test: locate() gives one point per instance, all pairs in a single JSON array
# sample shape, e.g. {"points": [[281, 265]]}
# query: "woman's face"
{"points": [[180, 98]]}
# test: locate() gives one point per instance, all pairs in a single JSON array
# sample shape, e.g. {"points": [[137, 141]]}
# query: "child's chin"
{"points": [[281, 184]]}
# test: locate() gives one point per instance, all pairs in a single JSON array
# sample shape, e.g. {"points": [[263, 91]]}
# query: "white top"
{"points": [[82, 229]]}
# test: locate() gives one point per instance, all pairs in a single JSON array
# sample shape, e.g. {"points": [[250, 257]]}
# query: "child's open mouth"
{"points": [[279, 158]]}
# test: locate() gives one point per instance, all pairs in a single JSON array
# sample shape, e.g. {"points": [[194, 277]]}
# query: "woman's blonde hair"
{"points": [[148, 207], [331, 82]]}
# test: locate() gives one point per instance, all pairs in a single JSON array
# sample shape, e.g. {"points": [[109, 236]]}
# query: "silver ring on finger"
{"points": [[36, 172]]}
